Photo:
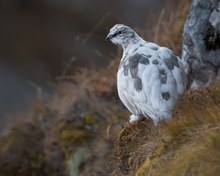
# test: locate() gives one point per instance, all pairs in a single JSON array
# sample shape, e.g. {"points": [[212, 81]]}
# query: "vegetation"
{"points": [[83, 130]]}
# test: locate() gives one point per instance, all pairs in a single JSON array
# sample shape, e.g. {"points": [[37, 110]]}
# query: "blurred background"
{"points": [[41, 39]]}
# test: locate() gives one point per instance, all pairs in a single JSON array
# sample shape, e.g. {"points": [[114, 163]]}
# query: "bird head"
{"points": [[121, 35]]}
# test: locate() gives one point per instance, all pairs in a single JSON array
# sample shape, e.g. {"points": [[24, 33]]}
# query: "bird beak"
{"points": [[109, 36]]}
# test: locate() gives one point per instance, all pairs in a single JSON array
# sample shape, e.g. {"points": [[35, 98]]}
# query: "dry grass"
{"points": [[188, 145], [131, 148], [194, 138], [168, 29]]}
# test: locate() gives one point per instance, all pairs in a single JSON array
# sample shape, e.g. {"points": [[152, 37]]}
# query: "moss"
{"points": [[89, 119], [73, 134]]}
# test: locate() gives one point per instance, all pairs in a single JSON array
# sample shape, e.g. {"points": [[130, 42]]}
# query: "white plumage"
{"points": [[150, 78]]}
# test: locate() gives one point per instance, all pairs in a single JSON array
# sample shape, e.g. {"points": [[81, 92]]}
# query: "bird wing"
{"points": [[163, 83], [150, 82], [175, 66]]}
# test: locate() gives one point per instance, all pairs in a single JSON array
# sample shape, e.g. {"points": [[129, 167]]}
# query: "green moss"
{"points": [[89, 119], [73, 134]]}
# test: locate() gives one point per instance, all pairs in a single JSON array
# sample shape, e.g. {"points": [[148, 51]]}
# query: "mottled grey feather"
{"points": [[155, 62], [125, 70], [144, 60], [154, 48], [138, 84], [166, 96], [133, 64], [163, 76], [171, 61]]}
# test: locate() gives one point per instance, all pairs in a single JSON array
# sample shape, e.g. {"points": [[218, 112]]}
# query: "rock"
{"points": [[201, 43], [77, 159], [215, 18]]}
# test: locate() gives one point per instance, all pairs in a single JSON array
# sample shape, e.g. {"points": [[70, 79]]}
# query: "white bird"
{"points": [[150, 79]]}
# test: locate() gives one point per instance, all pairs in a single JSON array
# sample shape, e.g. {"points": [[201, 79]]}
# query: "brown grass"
{"points": [[188, 145], [194, 137], [168, 28]]}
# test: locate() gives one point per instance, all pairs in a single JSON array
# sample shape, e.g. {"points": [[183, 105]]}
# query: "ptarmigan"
{"points": [[150, 79]]}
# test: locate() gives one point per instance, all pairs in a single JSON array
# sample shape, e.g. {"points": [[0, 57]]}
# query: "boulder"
{"points": [[201, 43]]}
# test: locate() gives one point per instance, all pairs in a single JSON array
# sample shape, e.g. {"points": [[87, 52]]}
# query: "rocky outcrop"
{"points": [[201, 44]]}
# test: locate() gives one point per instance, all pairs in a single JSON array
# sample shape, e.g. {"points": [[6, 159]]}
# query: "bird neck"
{"points": [[127, 45]]}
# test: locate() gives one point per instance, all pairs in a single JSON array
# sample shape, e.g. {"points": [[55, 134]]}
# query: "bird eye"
{"points": [[119, 32]]}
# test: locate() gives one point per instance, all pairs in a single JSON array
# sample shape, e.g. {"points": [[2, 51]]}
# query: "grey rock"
{"points": [[77, 159], [214, 18], [201, 43]]}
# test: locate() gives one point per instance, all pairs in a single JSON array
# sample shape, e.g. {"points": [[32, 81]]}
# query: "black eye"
{"points": [[119, 32]]}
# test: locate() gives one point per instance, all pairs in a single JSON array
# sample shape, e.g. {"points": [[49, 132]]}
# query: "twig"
{"points": [[158, 25], [95, 28]]}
